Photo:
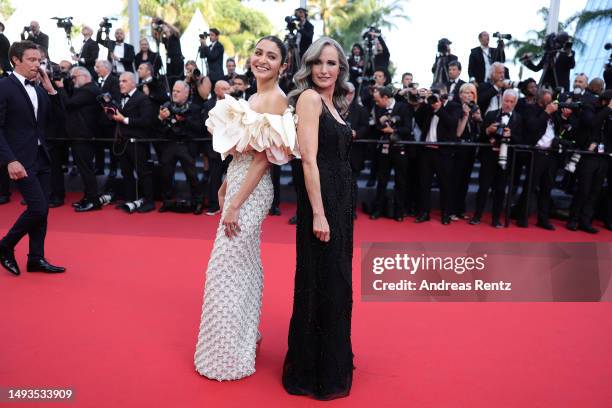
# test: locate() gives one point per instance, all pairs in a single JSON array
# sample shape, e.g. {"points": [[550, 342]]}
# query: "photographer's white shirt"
{"points": [[119, 52], [486, 54]]}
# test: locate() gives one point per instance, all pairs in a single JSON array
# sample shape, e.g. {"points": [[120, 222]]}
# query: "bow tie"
{"points": [[125, 96], [28, 82]]}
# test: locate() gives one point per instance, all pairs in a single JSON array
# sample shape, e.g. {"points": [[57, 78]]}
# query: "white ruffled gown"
{"points": [[234, 279]]}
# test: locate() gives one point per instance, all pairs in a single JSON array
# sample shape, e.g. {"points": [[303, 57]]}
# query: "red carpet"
{"points": [[119, 328]]}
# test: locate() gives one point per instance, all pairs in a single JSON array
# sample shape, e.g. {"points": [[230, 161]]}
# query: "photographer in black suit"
{"points": [[35, 35], [393, 123], [5, 65], [454, 82], [180, 121], [357, 117], [25, 109], [305, 30], [108, 83], [213, 54], [438, 119], [134, 120], [145, 55], [443, 58], [557, 62], [490, 93], [89, 52], [502, 128], [120, 54], [592, 168], [171, 38], [483, 57], [82, 116]]}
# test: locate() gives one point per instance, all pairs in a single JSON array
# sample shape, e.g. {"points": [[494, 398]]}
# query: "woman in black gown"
{"points": [[319, 362]]}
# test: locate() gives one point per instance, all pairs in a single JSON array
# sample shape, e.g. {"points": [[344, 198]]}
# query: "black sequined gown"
{"points": [[319, 362]]}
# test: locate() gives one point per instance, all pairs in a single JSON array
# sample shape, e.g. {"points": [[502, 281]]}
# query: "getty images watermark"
{"points": [[516, 271]]}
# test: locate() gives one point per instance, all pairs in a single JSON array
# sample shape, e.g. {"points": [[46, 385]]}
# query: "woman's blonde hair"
{"points": [[303, 78], [471, 88]]}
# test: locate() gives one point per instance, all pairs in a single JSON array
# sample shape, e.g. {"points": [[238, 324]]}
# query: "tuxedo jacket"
{"points": [[128, 55], [455, 93], [89, 55], [214, 60], [152, 58], [476, 64], [20, 129], [4, 49], [142, 117], [448, 119], [41, 39], [82, 111]]}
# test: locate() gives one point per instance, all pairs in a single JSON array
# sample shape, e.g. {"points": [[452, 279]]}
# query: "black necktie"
{"points": [[125, 96], [28, 82]]}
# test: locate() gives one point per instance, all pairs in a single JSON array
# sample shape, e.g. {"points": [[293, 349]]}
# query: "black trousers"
{"points": [[545, 166], [84, 153], [438, 162], [215, 178], [463, 163], [397, 160], [590, 175], [491, 176], [58, 150], [33, 221], [136, 157], [276, 175], [184, 153], [5, 182], [101, 147], [608, 219]]}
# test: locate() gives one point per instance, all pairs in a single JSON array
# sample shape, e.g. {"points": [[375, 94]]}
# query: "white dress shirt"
{"points": [[119, 52]]}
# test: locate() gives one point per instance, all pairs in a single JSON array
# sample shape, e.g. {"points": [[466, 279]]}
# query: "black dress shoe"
{"points": [[293, 220], [399, 219], [79, 203], [88, 206], [112, 174], [546, 225], [56, 203], [274, 211], [146, 207], [475, 220], [422, 218], [572, 225], [496, 224], [522, 224], [43, 266], [8, 262], [198, 208], [4, 199], [588, 228], [446, 219], [375, 215]]}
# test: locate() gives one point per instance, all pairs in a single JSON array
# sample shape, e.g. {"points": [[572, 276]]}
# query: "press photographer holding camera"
{"points": [[171, 38], [109, 84], [89, 52], [135, 117], [35, 35], [145, 55], [503, 127], [305, 30], [438, 119], [557, 61], [393, 120], [213, 54], [490, 93], [82, 116], [120, 54], [550, 125], [483, 56], [443, 58], [592, 168], [180, 121]]}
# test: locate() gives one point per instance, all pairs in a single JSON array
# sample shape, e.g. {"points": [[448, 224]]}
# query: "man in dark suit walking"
{"points": [[214, 56], [120, 54], [25, 109]]}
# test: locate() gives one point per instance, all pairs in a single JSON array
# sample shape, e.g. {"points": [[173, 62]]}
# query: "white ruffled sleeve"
{"points": [[233, 124]]}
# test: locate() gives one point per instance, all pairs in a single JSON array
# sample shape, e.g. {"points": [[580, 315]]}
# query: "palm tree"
{"points": [[329, 11], [583, 18]]}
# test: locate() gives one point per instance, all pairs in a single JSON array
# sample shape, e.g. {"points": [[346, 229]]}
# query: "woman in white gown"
{"points": [[255, 133]]}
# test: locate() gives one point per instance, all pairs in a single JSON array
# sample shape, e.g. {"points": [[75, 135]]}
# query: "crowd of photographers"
{"points": [[525, 136]]}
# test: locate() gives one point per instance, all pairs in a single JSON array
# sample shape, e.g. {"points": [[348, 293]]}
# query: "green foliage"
{"points": [[6, 9], [360, 14]]}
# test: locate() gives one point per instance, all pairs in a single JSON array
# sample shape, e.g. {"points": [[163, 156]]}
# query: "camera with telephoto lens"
{"points": [[108, 104], [293, 23], [27, 29], [65, 23], [501, 37], [158, 25], [367, 35], [570, 105], [391, 121], [563, 142], [436, 96], [204, 35], [106, 24], [504, 141], [173, 123], [473, 107]]}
